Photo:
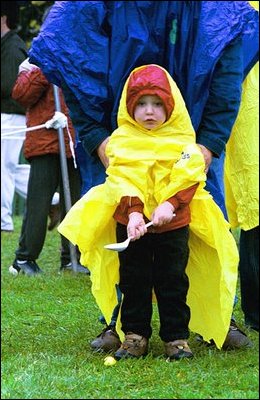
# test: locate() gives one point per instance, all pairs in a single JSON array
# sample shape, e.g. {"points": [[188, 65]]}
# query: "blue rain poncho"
{"points": [[90, 47]]}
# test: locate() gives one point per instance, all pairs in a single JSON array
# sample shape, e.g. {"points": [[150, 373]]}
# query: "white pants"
{"points": [[11, 177]]}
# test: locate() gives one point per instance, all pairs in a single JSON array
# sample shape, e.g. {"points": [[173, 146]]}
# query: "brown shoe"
{"points": [[236, 339], [107, 341], [54, 216], [134, 346], [177, 350]]}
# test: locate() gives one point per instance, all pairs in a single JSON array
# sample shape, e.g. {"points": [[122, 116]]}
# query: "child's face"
{"points": [[150, 112]]}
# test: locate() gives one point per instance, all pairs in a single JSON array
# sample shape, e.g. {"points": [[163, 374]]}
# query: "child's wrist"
{"points": [[135, 214], [171, 206]]}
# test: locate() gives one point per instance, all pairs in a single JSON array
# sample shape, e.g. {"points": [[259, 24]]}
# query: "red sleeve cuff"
{"points": [[174, 202]]}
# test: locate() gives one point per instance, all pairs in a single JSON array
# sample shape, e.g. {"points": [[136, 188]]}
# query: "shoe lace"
{"points": [[179, 344], [131, 341]]}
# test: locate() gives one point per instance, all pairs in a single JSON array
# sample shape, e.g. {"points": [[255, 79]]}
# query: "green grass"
{"points": [[49, 320]]}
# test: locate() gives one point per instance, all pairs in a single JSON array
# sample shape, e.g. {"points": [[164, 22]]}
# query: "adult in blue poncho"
{"points": [[89, 48]]}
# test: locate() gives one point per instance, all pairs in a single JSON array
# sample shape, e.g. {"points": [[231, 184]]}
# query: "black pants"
{"points": [[249, 276], [44, 180], [155, 261]]}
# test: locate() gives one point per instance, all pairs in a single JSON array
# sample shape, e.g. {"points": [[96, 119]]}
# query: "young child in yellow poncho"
{"points": [[156, 169]]}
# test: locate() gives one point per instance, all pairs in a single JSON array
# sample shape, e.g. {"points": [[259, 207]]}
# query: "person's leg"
{"points": [[22, 173], [10, 152], [136, 284], [21, 187], [21, 183], [249, 276], [54, 213], [117, 307], [171, 283], [171, 286], [42, 184], [236, 338], [108, 340]]}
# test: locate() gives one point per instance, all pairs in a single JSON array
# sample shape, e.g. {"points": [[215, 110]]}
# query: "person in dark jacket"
{"points": [[13, 52], [199, 43], [41, 149]]}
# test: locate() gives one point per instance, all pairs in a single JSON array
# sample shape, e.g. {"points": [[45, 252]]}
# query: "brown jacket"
{"points": [[180, 201], [35, 93]]}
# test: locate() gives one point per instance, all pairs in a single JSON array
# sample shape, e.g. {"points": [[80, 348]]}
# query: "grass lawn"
{"points": [[49, 320]]}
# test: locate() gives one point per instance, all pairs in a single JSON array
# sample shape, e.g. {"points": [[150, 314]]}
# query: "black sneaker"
{"points": [[79, 268], [27, 267]]}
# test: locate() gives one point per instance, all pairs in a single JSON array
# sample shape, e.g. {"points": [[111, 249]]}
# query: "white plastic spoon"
{"points": [[123, 245]]}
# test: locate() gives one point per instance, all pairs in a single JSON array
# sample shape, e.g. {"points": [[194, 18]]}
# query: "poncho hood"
{"points": [[143, 162], [149, 80]]}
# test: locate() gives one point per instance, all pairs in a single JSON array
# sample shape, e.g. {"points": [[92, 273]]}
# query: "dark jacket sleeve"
{"points": [[224, 98], [13, 53]]}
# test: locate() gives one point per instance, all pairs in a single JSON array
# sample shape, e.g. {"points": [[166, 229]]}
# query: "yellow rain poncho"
{"points": [[154, 165], [241, 172]]}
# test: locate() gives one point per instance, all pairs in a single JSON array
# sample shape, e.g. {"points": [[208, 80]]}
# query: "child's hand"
{"points": [[136, 226], [163, 214]]}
